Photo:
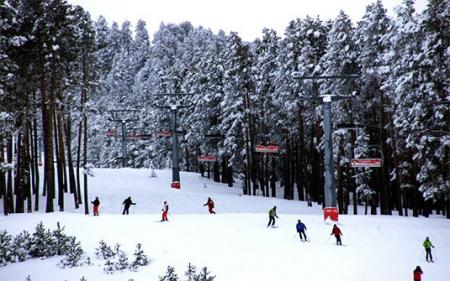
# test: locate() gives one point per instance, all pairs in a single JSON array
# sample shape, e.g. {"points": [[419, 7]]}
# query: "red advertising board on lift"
{"points": [[165, 134], [176, 185], [267, 148], [330, 212], [207, 158], [366, 162]]}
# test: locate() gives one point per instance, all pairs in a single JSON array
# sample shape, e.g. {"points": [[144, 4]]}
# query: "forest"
{"points": [[78, 93]]}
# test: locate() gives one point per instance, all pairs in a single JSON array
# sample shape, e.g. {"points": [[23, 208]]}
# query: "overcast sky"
{"points": [[248, 18]]}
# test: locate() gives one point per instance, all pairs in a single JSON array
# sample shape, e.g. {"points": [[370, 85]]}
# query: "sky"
{"points": [[248, 18]]}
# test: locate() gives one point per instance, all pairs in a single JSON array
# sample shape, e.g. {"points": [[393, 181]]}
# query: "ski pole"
{"points": [[134, 208], [328, 239]]}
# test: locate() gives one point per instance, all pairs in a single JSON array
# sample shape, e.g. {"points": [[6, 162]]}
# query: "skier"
{"points": [[337, 233], [301, 227], [418, 273], [96, 204], [427, 245], [210, 205], [127, 202], [272, 216], [165, 210]]}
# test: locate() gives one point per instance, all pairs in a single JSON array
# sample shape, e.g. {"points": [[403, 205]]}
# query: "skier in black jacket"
{"points": [[127, 202]]}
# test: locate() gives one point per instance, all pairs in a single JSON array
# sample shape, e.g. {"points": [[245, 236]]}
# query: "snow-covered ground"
{"points": [[234, 244]]}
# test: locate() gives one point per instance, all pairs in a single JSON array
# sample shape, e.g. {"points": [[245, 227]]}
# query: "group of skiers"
{"points": [[165, 211], [336, 231], [300, 227]]}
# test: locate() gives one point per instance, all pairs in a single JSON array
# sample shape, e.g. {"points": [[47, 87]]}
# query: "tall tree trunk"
{"points": [[47, 124], [339, 177], [79, 147], [3, 179], [58, 164], [18, 177], [85, 174], [62, 156], [72, 182], [36, 165], [9, 180], [27, 167]]}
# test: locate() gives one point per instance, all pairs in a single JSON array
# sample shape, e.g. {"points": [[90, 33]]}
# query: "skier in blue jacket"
{"points": [[301, 227]]}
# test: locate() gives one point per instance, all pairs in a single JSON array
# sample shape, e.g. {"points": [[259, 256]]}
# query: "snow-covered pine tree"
{"points": [[297, 120], [74, 254], [42, 243], [204, 275], [21, 246], [121, 262], [170, 275], [264, 72], [369, 37], [431, 118], [140, 258], [61, 240], [402, 57], [6, 250], [190, 272], [340, 59], [109, 266], [237, 109], [104, 251]]}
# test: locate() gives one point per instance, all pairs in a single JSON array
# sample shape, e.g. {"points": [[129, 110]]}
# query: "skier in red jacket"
{"points": [[418, 273], [165, 210], [337, 233], [96, 204], [210, 205]]}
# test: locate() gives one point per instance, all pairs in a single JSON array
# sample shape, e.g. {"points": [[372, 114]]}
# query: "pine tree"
{"points": [[104, 251], [5, 248], [109, 266], [140, 258], [42, 243], [204, 275], [22, 246], [170, 275], [61, 240], [73, 255], [370, 34], [122, 259], [190, 272]]}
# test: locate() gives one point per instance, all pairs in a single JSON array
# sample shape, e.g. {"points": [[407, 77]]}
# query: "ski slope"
{"points": [[234, 244]]}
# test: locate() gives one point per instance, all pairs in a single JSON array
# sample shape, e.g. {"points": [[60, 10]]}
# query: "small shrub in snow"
{"points": [[190, 272], [140, 258], [104, 251], [204, 275], [5, 248], [21, 246], [170, 275], [28, 278], [61, 240], [73, 255], [122, 259], [192, 275], [88, 261], [42, 244], [83, 279], [109, 267]]}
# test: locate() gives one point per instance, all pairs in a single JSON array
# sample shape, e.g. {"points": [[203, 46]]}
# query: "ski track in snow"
{"points": [[235, 244]]}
